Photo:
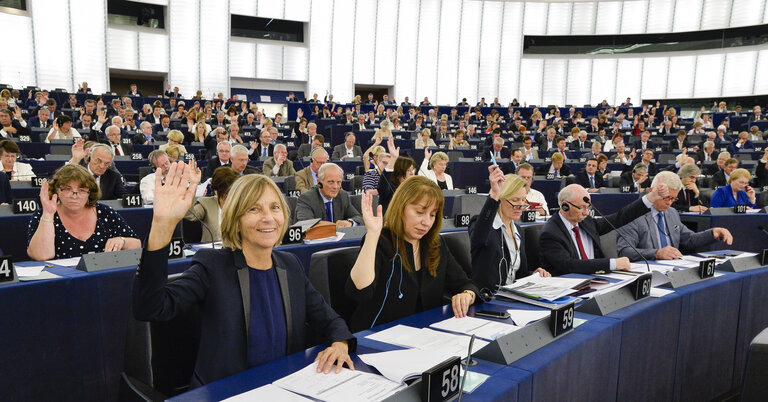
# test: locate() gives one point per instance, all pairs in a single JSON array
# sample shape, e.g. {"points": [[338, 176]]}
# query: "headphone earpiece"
{"points": [[565, 207], [319, 184]]}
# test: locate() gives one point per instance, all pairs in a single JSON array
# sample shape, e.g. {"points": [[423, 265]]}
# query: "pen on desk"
{"points": [[48, 265]]}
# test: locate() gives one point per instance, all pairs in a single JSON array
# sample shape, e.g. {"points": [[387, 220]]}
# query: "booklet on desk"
{"points": [[549, 292]]}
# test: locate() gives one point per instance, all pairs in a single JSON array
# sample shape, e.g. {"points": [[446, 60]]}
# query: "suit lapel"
{"points": [[561, 225], [245, 288], [282, 277]]}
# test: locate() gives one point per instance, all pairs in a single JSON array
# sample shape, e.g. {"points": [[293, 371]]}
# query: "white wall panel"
{"points": [[553, 85], [716, 14], [153, 52], [365, 28], [242, 61], [214, 41], [297, 10], [244, 7], [448, 53], [426, 84], [761, 79], [511, 48], [654, 77], [469, 49], [122, 48], [341, 85], [89, 33], [603, 80], [269, 64], [271, 8], [184, 29], [295, 63], [680, 77], [385, 43], [558, 18], [579, 81], [490, 41], [53, 56], [687, 14], [660, 14], [535, 21], [319, 47], [739, 74], [583, 18], [746, 12], [531, 72], [21, 72], [633, 17], [608, 17], [405, 74], [765, 14], [709, 75], [629, 71]]}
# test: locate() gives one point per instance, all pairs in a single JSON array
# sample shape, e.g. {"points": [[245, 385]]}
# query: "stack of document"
{"points": [[549, 292], [447, 345], [347, 385], [485, 329], [403, 364]]}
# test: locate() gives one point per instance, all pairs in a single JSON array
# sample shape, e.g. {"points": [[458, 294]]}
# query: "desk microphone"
{"points": [[647, 266], [762, 229], [192, 211]]}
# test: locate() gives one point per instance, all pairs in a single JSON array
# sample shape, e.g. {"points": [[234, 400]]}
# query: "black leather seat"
{"points": [[328, 273], [458, 243]]}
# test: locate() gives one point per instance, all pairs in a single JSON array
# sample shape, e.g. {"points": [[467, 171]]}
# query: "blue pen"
{"points": [[493, 158]]}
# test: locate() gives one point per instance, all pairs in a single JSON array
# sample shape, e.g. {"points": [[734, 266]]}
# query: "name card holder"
{"points": [[683, 277], [7, 270], [114, 259], [740, 264], [607, 303]]}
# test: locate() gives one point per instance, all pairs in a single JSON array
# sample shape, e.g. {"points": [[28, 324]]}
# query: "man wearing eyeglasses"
{"points": [[659, 234], [570, 240], [110, 181]]}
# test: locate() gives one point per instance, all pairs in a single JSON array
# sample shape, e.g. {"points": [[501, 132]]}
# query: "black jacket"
{"points": [[486, 248], [583, 180], [544, 170], [213, 283], [626, 179], [111, 185], [558, 253], [686, 199], [213, 164], [259, 148], [450, 279]]}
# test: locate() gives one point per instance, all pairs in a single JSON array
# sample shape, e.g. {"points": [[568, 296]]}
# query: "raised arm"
{"points": [[363, 272], [42, 246]]}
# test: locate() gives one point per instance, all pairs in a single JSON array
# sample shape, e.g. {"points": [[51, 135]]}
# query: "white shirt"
{"points": [[514, 251], [73, 134], [147, 188], [22, 172], [536, 196]]}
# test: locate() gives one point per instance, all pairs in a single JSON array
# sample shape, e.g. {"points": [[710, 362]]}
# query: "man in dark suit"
{"points": [[679, 143], [360, 124], [164, 127], [659, 234], [157, 116], [645, 160], [348, 149], [720, 178], [580, 143], [547, 143], [636, 179], [222, 158], [110, 181], [644, 142], [10, 127], [133, 91], [146, 136], [114, 140], [42, 120], [498, 150], [173, 94], [114, 108], [560, 148], [707, 153], [262, 148], [557, 167], [588, 178], [240, 159], [327, 200], [570, 240]]}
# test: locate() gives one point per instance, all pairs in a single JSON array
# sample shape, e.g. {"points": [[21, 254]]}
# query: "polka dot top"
{"points": [[108, 224]]}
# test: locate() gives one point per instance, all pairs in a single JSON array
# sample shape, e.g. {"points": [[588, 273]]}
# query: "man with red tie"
{"points": [[114, 141], [570, 240], [560, 147]]}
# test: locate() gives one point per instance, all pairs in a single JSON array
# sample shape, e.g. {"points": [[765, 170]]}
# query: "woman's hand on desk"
{"points": [[461, 303], [337, 353], [114, 244]]}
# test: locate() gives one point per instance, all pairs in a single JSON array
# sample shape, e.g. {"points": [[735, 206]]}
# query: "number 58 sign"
{"points": [[441, 383]]}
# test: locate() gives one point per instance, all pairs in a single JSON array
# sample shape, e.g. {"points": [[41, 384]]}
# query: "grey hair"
{"points": [[111, 127], [117, 117], [105, 147], [726, 154], [145, 124], [640, 168], [155, 155], [669, 178], [498, 140], [688, 170], [237, 149], [567, 193], [680, 156], [709, 144], [326, 166], [280, 146], [223, 142]]}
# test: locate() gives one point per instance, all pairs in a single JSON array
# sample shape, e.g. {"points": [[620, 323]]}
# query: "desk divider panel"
{"points": [[515, 345], [602, 304]]}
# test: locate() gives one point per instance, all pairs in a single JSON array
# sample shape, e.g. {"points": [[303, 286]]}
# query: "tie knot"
{"points": [[575, 229]]}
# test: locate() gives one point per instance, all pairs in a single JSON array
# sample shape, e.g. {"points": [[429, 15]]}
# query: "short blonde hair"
{"points": [[426, 131], [242, 196], [739, 173], [174, 151], [557, 157], [176, 135], [438, 157]]}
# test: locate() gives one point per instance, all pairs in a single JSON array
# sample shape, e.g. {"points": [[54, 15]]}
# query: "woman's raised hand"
{"points": [[49, 203], [174, 198], [373, 224]]}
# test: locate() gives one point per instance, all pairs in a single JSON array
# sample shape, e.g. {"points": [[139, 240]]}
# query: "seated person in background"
{"points": [[208, 209], [174, 153], [659, 234], [589, 178], [556, 167], [240, 160], [720, 178], [707, 153], [328, 201], [307, 178], [114, 141], [754, 134], [688, 199], [535, 198], [497, 149], [348, 149], [637, 179], [253, 221], [175, 137], [423, 141], [15, 170], [529, 152], [680, 143], [110, 181], [560, 148], [596, 150], [163, 128], [71, 222], [433, 168], [12, 126], [222, 158], [278, 165], [742, 142], [216, 137], [146, 136], [581, 141], [496, 242], [738, 191], [307, 149], [458, 140], [397, 170], [262, 148], [160, 163], [570, 240], [62, 129], [41, 120], [761, 170], [426, 269], [646, 159], [380, 159], [6, 194]]}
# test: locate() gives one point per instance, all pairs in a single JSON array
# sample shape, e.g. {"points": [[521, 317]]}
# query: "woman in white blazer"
{"points": [[436, 172], [16, 171]]}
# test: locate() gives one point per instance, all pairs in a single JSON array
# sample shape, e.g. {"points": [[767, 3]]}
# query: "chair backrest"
{"points": [[453, 156], [357, 200], [328, 273], [754, 387], [143, 171], [608, 243], [289, 184], [458, 243], [567, 180], [357, 182], [292, 201], [191, 231], [614, 181], [59, 149], [468, 204], [532, 233]]}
